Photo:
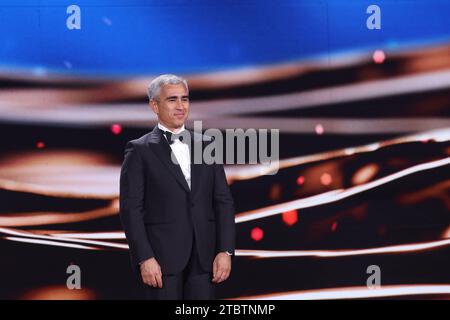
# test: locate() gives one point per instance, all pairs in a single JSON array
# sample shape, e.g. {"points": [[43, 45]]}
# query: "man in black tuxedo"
{"points": [[178, 215]]}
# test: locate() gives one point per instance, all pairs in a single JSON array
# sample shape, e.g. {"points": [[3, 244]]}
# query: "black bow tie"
{"points": [[171, 137]]}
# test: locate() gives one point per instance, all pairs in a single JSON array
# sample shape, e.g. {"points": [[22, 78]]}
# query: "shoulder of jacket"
{"points": [[138, 142], [201, 137]]}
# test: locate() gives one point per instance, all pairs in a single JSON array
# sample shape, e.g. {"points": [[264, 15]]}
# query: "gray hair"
{"points": [[154, 87]]}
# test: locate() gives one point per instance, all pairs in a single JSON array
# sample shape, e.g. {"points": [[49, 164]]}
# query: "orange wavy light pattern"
{"points": [[64, 173], [44, 218], [59, 293], [447, 233]]}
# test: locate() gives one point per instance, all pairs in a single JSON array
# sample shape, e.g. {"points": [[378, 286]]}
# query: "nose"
{"points": [[179, 104]]}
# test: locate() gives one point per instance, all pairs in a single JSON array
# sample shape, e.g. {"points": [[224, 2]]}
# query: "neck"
{"points": [[174, 129]]}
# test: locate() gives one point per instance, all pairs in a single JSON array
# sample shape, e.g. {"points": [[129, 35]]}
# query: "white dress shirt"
{"points": [[182, 153]]}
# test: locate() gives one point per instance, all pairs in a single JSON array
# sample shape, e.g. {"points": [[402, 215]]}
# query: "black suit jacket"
{"points": [[160, 214]]}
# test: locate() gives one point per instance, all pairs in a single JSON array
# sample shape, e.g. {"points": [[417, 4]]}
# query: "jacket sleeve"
{"points": [[224, 211], [132, 190]]}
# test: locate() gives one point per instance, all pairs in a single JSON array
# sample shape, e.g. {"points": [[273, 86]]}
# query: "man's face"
{"points": [[172, 107]]}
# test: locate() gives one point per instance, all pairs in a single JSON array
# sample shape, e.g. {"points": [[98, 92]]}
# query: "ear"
{"points": [[154, 105]]}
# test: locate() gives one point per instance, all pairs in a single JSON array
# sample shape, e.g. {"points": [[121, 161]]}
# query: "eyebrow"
{"points": [[174, 97]]}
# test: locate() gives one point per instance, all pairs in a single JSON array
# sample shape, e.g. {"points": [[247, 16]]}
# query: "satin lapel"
{"points": [[163, 151]]}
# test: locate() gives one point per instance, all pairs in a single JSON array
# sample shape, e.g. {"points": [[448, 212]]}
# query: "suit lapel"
{"points": [[162, 150]]}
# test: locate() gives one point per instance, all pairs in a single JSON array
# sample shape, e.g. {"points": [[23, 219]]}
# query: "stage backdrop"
{"points": [[360, 91]]}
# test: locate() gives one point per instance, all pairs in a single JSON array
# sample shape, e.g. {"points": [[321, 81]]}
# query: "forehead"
{"points": [[173, 90]]}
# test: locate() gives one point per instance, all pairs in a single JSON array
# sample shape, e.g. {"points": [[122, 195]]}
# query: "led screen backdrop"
{"points": [[360, 91]]}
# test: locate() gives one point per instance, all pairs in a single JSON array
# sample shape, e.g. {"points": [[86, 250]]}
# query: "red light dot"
{"points": [[319, 129], [379, 56], [116, 128], [290, 217], [334, 226], [326, 179], [300, 180], [257, 234], [40, 144]]}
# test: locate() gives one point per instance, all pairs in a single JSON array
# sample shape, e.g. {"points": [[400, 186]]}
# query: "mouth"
{"points": [[179, 115]]}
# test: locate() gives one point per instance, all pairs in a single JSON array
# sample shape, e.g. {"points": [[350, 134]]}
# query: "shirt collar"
{"points": [[162, 127]]}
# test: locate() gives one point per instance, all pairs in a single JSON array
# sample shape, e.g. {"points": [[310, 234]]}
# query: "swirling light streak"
{"points": [[258, 254], [329, 95], [336, 195], [23, 108], [413, 247], [355, 292], [327, 197], [52, 243], [61, 239], [116, 235], [322, 125], [235, 172]]}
